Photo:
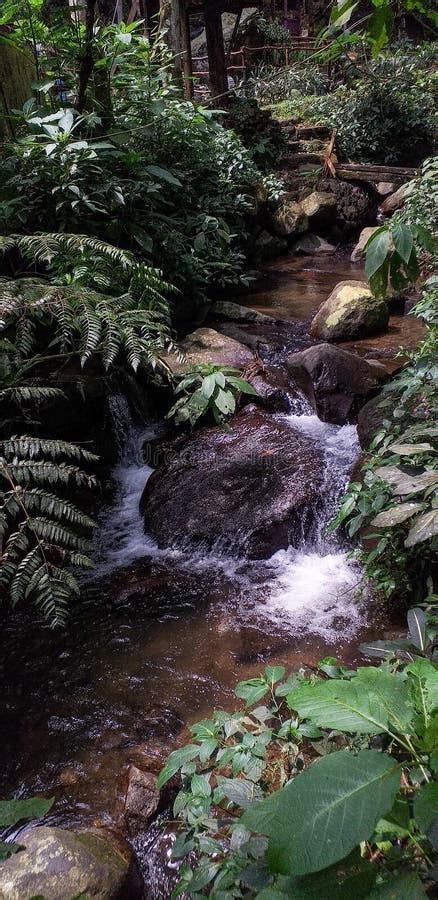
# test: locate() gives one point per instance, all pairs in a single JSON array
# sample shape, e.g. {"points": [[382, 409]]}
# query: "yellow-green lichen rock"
{"points": [[351, 311], [289, 219], [58, 864]]}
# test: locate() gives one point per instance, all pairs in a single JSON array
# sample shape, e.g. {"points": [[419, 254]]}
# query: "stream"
{"points": [[164, 635]]}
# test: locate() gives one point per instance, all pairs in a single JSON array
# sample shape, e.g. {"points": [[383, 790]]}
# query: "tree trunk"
{"points": [[86, 63], [215, 49]]}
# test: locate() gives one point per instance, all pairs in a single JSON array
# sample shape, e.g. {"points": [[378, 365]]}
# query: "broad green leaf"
{"points": [[239, 790], [175, 761], [274, 673], [208, 385], [403, 887], [396, 515], [370, 704], [342, 11], [425, 679], [12, 811], [402, 449], [225, 402], [376, 251], [403, 240], [401, 483], [352, 877], [379, 29], [417, 628], [393, 693], [163, 175], [325, 811], [426, 807], [389, 649], [424, 528], [252, 690]]}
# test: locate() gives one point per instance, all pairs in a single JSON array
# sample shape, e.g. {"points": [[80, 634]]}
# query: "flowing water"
{"points": [[163, 636]]}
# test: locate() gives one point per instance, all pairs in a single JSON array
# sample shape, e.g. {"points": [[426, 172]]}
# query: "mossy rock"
{"points": [[289, 219], [56, 863], [351, 311]]}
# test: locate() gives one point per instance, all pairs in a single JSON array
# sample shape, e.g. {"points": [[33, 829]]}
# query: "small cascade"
{"points": [[307, 588], [122, 426]]}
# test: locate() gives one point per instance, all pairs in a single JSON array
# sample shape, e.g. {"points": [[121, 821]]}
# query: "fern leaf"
{"points": [[32, 447], [37, 500], [51, 531]]}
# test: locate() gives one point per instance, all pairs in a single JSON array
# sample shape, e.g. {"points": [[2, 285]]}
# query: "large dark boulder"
{"points": [[356, 205], [334, 381], [253, 489]]}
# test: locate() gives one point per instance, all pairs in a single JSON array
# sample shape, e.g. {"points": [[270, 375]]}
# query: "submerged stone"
{"points": [[252, 490], [312, 245], [350, 311]]}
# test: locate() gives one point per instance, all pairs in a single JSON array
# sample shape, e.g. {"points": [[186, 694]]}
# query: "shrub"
{"points": [[323, 785], [388, 115], [208, 390]]}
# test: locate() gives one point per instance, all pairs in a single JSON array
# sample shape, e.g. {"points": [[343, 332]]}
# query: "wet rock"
{"points": [[358, 251], [57, 863], [142, 800], [350, 311], [268, 246], [208, 346], [334, 381], [369, 420], [355, 205], [312, 245], [384, 188], [320, 208], [394, 201], [289, 219], [238, 313], [273, 388], [252, 490]]}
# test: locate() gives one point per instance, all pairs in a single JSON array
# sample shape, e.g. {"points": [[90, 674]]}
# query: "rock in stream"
{"points": [[254, 489]]}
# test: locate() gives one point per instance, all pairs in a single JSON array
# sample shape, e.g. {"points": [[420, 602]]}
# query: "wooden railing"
{"points": [[238, 59]]}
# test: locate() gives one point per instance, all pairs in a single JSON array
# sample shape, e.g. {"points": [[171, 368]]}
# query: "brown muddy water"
{"points": [[163, 636]]}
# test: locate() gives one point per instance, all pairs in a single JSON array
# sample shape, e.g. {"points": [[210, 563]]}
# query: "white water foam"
{"points": [[311, 591]]}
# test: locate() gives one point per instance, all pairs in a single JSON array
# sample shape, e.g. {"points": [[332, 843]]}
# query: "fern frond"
{"points": [[30, 393], [48, 530], [42, 472], [24, 574], [37, 500], [31, 447], [41, 531]]}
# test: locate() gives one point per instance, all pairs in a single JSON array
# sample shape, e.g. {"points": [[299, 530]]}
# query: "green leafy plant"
{"points": [[208, 389], [41, 531], [325, 782], [14, 811], [74, 318]]}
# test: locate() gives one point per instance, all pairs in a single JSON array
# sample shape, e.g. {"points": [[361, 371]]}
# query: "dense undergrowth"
{"points": [[324, 784], [394, 506], [122, 207], [384, 110]]}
